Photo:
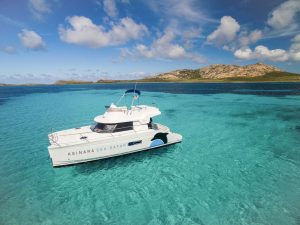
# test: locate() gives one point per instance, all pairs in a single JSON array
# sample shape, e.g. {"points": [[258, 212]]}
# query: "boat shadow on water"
{"points": [[88, 168]]}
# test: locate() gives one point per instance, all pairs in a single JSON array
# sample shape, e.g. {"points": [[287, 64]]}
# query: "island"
{"points": [[258, 72]]}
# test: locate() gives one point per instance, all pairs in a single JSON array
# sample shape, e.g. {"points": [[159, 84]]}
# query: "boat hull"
{"points": [[117, 146]]}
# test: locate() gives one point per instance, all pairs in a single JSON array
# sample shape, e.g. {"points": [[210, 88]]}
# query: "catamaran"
{"points": [[120, 130]]}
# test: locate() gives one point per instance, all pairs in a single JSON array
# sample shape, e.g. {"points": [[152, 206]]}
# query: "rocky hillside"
{"points": [[219, 71]]}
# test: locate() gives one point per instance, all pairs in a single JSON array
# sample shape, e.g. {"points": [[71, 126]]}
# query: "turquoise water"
{"points": [[239, 162]]}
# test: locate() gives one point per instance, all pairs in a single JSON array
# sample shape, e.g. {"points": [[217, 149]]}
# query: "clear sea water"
{"points": [[239, 162]]}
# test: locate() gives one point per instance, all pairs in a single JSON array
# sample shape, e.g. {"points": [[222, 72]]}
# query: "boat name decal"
{"points": [[93, 150]]}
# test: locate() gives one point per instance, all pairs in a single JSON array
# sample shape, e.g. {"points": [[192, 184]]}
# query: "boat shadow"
{"points": [[88, 168]]}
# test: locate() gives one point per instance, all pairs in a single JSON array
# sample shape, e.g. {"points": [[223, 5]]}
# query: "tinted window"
{"points": [[124, 126], [134, 143], [104, 128], [109, 128], [99, 126]]}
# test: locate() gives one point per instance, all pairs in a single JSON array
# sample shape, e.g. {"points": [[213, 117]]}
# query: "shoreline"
{"points": [[148, 82]]}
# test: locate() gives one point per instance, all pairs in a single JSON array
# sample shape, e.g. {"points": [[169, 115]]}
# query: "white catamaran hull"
{"points": [[115, 146]]}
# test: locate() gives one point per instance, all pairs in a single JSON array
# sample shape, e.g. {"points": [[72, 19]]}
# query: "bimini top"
{"points": [[133, 91], [140, 113]]}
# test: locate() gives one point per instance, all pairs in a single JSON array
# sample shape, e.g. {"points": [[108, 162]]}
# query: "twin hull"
{"points": [[111, 147]]}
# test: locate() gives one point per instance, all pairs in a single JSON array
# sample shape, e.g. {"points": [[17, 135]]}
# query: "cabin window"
{"points": [[104, 128], [110, 128], [124, 126], [134, 143]]}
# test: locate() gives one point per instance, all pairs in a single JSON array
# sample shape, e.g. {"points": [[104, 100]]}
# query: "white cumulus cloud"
{"points": [[262, 53], [31, 40], [39, 7], [166, 48], [277, 55], [110, 8], [163, 47], [226, 32], [83, 31], [295, 48], [244, 53], [247, 39], [284, 15], [9, 49]]}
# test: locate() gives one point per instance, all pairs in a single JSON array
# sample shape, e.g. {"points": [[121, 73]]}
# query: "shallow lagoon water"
{"points": [[239, 162]]}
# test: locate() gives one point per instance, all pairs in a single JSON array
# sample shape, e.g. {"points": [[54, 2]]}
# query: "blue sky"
{"points": [[46, 40]]}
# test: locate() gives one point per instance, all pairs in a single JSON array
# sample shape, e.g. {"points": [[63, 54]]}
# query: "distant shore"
{"points": [[169, 81]]}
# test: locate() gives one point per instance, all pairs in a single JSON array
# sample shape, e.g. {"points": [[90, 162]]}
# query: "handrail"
{"points": [[53, 136]]}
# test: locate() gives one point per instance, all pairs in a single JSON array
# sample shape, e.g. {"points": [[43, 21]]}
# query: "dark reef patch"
{"points": [[170, 112], [281, 113], [252, 114], [240, 124], [286, 154], [288, 114]]}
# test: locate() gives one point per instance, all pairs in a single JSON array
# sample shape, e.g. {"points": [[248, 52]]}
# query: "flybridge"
{"points": [[135, 113]]}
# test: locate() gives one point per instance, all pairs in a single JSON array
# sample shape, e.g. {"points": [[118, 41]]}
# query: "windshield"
{"points": [[110, 128], [104, 128]]}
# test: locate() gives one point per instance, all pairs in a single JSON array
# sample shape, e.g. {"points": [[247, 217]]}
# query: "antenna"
{"points": [[133, 94], [135, 85], [123, 95]]}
